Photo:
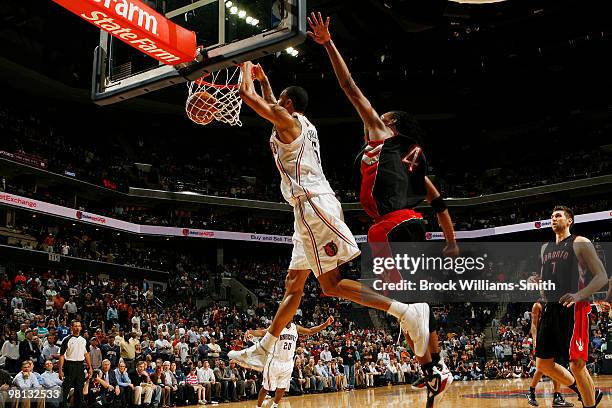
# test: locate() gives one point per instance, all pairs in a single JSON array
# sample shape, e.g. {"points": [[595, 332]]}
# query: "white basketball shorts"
{"points": [[321, 241], [277, 374]]}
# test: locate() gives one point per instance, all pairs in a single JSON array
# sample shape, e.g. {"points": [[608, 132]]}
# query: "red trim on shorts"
{"points": [[579, 345], [378, 238], [312, 238], [326, 222]]}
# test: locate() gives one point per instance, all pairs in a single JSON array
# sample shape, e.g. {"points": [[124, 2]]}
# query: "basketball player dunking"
{"points": [[393, 181], [279, 366], [563, 332], [322, 241], [558, 400]]}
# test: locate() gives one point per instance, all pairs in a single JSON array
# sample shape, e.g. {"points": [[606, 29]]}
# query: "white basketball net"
{"points": [[225, 104]]}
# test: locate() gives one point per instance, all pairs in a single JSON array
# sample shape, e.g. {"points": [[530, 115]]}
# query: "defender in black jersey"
{"points": [[563, 332], [393, 181]]}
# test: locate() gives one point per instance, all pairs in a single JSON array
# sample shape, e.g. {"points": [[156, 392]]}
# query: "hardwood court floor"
{"points": [[477, 394]]}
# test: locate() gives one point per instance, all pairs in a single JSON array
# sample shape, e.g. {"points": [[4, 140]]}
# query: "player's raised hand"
{"points": [[320, 29], [258, 73], [329, 321], [247, 68]]}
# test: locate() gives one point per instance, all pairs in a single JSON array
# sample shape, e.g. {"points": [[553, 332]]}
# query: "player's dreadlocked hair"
{"points": [[407, 125]]}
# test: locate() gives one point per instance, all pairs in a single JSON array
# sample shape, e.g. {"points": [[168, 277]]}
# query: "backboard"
{"points": [[229, 32]]}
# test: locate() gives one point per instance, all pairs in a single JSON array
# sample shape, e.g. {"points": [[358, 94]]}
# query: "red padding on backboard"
{"points": [[139, 26]]}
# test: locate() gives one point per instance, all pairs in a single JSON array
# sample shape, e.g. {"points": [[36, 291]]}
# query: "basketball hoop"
{"points": [[215, 96]]}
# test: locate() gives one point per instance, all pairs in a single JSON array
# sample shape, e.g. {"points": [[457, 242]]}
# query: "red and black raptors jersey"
{"points": [[392, 175], [560, 266]]}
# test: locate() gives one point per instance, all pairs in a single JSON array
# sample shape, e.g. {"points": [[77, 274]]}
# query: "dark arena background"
{"points": [[169, 240]]}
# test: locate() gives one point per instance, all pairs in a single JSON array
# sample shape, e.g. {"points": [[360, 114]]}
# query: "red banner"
{"points": [[139, 26]]}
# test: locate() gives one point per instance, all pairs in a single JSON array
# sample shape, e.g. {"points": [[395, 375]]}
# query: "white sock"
{"points": [[274, 405], [268, 341], [397, 309]]}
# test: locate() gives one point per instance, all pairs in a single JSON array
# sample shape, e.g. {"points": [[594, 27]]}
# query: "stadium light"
{"points": [[233, 10], [242, 14], [228, 4]]}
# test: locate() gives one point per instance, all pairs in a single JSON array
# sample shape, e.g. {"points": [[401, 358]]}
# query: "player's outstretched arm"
{"points": [[585, 251], [272, 112], [264, 83], [444, 219], [374, 126], [314, 330]]}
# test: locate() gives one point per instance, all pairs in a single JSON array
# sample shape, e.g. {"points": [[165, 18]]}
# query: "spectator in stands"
{"points": [[41, 330], [348, 358], [5, 383], [25, 379], [326, 355], [71, 308], [144, 387], [224, 378], [29, 349], [238, 380], [492, 370], [192, 380], [215, 349], [124, 382], [49, 378], [51, 351], [206, 378], [323, 373], [95, 354], [111, 352], [163, 346], [158, 379], [62, 329], [10, 352], [298, 379], [314, 380]]}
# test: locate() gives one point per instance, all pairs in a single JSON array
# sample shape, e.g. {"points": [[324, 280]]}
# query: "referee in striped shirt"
{"points": [[73, 354]]}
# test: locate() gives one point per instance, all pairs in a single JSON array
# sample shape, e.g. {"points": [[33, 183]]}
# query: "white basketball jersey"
{"points": [[299, 163], [284, 348]]}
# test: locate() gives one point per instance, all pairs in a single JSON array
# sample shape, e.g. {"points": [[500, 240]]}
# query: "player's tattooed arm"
{"points": [[585, 251], [314, 330], [374, 127]]}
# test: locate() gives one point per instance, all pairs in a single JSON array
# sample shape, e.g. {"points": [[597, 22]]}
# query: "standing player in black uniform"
{"points": [[563, 332], [558, 400], [393, 181]]}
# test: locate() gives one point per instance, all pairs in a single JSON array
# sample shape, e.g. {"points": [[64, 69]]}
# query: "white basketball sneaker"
{"points": [[415, 323], [252, 358]]}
